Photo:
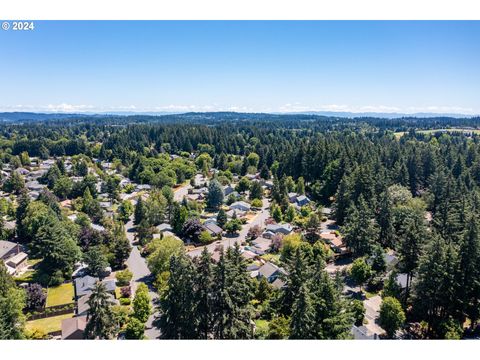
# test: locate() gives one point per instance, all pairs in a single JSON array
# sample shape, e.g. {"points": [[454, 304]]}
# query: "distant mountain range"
{"points": [[345, 114], [33, 116]]}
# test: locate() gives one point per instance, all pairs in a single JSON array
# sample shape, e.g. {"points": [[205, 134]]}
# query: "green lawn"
{"points": [[26, 277], [48, 325], [60, 295]]}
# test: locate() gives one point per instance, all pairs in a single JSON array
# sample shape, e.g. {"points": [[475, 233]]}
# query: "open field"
{"points": [[432, 131], [60, 295]]}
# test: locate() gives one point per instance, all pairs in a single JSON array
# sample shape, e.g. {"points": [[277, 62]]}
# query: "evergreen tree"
{"points": [[361, 231], [215, 195], [302, 322], [469, 272], [203, 315], [232, 295], [385, 220], [179, 216], [178, 304], [256, 191], [100, 318], [222, 218], [140, 212], [433, 288]]}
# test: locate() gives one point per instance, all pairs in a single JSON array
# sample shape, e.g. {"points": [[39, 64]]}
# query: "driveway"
{"points": [[372, 312]]}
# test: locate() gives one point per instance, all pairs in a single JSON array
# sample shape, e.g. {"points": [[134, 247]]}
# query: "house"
{"points": [[17, 263], [10, 225], [143, 187], [213, 229], [292, 197], [35, 185], [83, 307], [278, 283], [284, 229], [34, 195], [164, 227], [227, 190], [336, 242], [73, 328], [97, 227], [240, 205], [302, 200], [105, 204], [34, 175], [270, 272], [84, 285], [260, 245], [268, 184], [8, 249], [22, 171], [268, 234]]}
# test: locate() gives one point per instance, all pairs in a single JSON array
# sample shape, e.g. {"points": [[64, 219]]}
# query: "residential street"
{"points": [[138, 266]]}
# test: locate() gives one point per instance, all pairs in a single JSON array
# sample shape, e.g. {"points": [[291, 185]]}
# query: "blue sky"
{"points": [[242, 66]]}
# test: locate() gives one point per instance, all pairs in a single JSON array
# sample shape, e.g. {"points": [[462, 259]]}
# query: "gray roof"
{"points": [[83, 307], [303, 199], [213, 228], [6, 247], [164, 227], [278, 283], [110, 284], [283, 228], [268, 269], [240, 205], [84, 285]]}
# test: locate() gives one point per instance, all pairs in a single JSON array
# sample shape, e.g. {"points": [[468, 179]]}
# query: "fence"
{"points": [[52, 311]]}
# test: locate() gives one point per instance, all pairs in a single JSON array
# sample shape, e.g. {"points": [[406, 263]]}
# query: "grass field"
{"points": [[432, 131], [49, 324], [60, 295]]}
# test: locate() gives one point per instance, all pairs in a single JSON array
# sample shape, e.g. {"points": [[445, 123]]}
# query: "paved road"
{"points": [[259, 219], [141, 274], [183, 191]]}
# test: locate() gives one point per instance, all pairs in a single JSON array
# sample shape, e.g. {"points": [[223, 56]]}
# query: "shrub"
{"points": [[125, 301], [124, 277], [256, 203], [135, 328], [205, 237], [126, 292]]}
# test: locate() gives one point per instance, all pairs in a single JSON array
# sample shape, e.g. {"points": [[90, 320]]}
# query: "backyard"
{"points": [[60, 295]]}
